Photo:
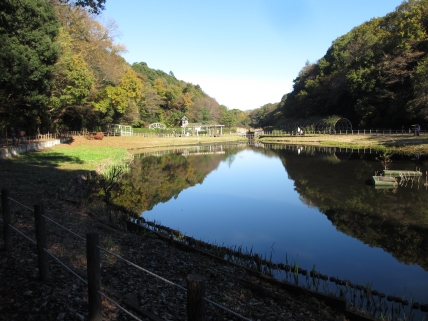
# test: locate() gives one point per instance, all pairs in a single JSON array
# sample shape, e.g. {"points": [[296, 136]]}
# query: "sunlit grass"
{"points": [[79, 157]]}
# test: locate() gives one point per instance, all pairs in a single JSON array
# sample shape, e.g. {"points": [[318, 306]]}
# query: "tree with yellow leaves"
{"points": [[120, 100]]}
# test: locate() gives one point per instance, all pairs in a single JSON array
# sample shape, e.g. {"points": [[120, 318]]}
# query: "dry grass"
{"points": [[135, 143], [138, 142], [399, 143]]}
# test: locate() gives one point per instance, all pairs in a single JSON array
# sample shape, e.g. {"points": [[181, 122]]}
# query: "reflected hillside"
{"points": [[338, 184], [157, 177]]}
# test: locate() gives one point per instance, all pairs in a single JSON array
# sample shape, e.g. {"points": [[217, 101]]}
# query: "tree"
{"points": [[123, 98], [206, 109], [27, 58], [229, 118], [150, 104], [419, 105], [374, 75], [95, 42], [94, 6], [73, 80]]}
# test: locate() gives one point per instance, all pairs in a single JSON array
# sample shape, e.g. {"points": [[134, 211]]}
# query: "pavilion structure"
{"points": [[212, 129], [120, 130]]}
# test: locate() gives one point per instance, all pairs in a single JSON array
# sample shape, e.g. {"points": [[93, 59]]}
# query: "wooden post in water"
{"points": [[94, 276], [7, 231], [42, 255], [195, 295]]}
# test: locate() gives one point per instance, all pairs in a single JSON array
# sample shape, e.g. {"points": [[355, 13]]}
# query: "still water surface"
{"points": [[307, 205]]}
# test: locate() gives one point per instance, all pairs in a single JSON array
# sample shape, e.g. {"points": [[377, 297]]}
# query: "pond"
{"points": [[314, 207]]}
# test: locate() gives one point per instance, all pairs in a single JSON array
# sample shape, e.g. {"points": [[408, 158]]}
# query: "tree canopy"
{"points": [[61, 67], [375, 75], [94, 6], [27, 57]]}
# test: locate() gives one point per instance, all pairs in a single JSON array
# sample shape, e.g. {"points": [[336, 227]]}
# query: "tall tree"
{"points": [[73, 80], [27, 57], [229, 117]]}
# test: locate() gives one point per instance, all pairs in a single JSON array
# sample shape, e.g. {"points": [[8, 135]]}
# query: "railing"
{"points": [[154, 134], [195, 284], [343, 132], [10, 142], [6, 142]]}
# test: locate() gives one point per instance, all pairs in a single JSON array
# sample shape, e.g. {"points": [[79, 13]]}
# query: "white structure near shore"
{"points": [[22, 148]]}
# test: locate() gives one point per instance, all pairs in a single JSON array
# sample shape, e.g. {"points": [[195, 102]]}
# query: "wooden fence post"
{"points": [[94, 276], [7, 231], [43, 258], [195, 294]]}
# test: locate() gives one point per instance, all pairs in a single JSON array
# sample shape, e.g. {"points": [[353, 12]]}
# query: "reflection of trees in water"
{"points": [[396, 222], [408, 244], [157, 179]]}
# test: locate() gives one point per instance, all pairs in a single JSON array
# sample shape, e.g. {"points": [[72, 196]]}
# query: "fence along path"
{"points": [[195, 284]]}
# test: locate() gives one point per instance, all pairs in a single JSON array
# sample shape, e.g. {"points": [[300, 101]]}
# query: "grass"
{"points": [[404, 144], [77, 158], [83, 154]]}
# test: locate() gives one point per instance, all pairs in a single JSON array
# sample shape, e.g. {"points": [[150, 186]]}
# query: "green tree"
{"points": [[373, 75], [229, 118], [73, 80], [94, 6], [27, 58], [123, 98], [419, 105]]}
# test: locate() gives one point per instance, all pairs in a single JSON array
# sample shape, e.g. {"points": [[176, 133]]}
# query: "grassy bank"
{"points": [[84, 154], [407, 144]]}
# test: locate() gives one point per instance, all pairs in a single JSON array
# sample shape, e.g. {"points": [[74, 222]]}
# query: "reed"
{"points": [[359, 297]]}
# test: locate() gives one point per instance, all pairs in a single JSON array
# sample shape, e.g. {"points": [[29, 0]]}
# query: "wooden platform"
{"points": [[398, 173], [384, 181]]}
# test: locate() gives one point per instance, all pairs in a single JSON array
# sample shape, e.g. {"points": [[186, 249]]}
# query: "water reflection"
{"points": [[310, 205]]}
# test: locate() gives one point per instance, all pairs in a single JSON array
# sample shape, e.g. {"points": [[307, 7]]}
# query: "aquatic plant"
{"points": [[385, 159]]}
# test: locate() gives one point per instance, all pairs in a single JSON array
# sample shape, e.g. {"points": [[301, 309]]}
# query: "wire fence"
{"points": [[195, 284]]}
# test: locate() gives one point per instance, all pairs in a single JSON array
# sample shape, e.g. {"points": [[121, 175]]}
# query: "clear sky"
{"points": [[243, 53]]}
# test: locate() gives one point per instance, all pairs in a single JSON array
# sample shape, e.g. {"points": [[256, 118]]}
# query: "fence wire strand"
{"points": [[226, 309], [142, 269], [66, 267], [172, 283], [120, 258], [69, 231], [19, 232], [119, 306], [25, 206]]}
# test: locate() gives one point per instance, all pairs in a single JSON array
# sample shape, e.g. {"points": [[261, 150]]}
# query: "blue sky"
{"points": [[243, 53]]}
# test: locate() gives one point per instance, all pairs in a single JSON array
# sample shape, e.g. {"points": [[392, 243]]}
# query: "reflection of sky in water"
{"points": [[250, 202]]}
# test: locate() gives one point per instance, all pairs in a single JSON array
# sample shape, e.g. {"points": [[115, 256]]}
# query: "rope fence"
{"points": [[195, 284]]}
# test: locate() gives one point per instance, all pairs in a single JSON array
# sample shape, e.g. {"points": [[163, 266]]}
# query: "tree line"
{"points": [[375, 75], [62, 68]]}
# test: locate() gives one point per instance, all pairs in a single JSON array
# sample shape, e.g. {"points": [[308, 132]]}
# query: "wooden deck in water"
{"points": [[399, 173], [384, 181]]}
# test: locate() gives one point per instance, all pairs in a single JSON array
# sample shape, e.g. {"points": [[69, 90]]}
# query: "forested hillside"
{"points": [[376, 75], [62, 67]]}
